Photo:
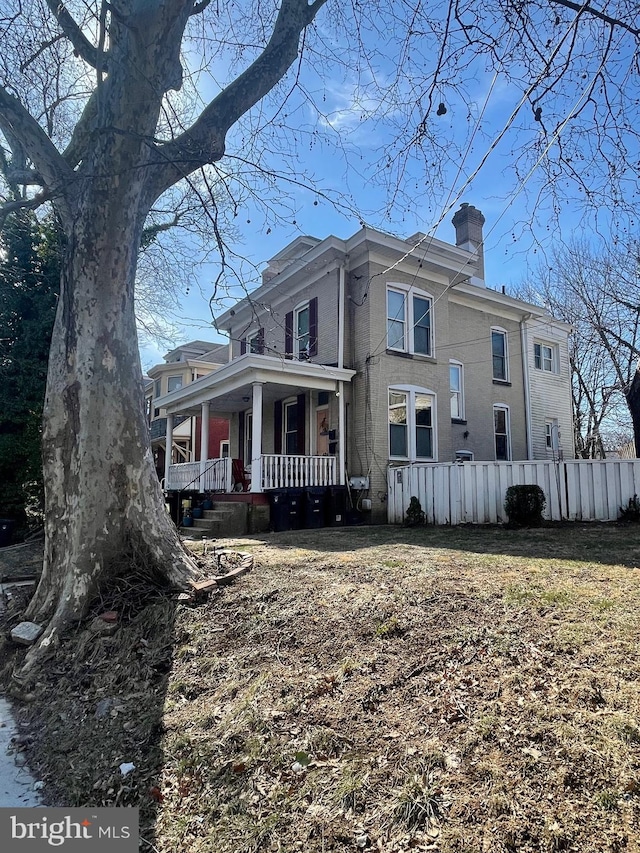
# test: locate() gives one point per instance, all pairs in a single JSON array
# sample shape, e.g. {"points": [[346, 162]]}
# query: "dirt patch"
{"points": [[442, 690]]}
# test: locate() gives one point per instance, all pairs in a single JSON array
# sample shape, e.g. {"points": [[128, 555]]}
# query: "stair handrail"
{"points": [[190, 483]]}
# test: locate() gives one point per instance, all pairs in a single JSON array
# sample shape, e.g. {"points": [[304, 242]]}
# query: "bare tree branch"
{"points": [[204, 141], [581, 8], [198, 8], [16, 122], [81, 44], [22, 204]]}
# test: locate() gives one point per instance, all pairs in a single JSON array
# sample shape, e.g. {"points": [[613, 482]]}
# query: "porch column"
{"points": [[168, 447], [341, 436], [204, 441], [256, 438]]}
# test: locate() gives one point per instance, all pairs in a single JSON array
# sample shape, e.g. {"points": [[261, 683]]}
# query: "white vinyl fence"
{"points": [[474, 492]]}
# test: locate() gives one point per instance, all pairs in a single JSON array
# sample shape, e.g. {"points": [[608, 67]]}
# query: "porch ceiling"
{"points": [[229, 388]]}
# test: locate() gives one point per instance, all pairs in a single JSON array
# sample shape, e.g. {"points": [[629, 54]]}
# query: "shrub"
{"points": [[630, 512], [414, 515], [524, 505]]}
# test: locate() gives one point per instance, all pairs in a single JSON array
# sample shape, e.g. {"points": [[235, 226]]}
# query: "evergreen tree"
{"points": [[29, 283]]}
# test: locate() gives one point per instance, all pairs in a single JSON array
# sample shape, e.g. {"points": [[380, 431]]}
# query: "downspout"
{"points": [[341, 418], [524, 345], [341, 328]]}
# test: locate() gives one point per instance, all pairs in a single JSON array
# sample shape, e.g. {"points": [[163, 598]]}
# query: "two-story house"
{"points": [[359, 354]]}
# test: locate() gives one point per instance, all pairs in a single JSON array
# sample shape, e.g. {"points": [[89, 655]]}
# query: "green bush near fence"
{"points": [[524, 505]]}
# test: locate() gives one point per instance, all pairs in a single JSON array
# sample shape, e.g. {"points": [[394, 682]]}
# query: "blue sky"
{"points": [[338, 141]]}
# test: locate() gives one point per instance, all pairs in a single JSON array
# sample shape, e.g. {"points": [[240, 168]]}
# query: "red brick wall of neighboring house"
{"points": [[218, 431]]}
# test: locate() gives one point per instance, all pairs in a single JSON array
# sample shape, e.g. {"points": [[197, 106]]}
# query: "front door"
{"points": [[322, 432]]}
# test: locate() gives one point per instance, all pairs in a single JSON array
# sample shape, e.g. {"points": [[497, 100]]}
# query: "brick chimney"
{"points": [[468, 222]]}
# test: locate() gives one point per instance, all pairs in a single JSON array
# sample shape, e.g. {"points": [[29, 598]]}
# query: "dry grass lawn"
{"points": [[469, 690]]}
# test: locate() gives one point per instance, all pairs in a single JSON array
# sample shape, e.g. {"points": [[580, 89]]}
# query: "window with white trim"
{"points": [[411, 424], [545, 357], [290, 427], [552, 435], [501, 432], [224, 449], [301, 331], [157, 388], [499, 355], [456, 390], [409, 327], [174, 383]]}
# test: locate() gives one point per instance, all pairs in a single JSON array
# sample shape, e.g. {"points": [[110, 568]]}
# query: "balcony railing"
{"points": [[158, 426], [186, 476]]}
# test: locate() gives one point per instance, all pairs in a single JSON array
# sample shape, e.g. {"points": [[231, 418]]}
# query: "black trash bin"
{"points": [[336, 505], [296, 508], [6, 531], [280, 507], [314, 506]]}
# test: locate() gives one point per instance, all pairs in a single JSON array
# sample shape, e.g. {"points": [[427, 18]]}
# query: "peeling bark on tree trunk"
{"points": [[103, 499]]}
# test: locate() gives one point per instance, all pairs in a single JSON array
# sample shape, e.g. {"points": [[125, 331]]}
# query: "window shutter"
{"points": [[288, 333], [301, 424], [313, 326], [277, 426], [260, 341], [243, 346]]}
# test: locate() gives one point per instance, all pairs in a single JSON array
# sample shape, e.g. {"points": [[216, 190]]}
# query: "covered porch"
{"points": [[288, 423]]}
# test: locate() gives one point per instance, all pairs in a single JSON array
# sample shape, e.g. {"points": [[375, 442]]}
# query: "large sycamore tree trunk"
{"points": [[103, 499]]}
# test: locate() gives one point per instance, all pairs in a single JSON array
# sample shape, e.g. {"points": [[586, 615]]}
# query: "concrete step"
{"points": [[217, 513], [223, 521]]}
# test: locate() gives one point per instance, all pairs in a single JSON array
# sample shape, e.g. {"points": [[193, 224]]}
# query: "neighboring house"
{"points": [[356, 355], [181, 367]]}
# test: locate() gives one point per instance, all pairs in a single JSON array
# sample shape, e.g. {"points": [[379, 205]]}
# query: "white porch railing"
{"points": [[216, 478], [282, 471]]}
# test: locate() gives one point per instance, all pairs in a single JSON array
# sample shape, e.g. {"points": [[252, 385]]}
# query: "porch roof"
{"points": [[229, 387]]}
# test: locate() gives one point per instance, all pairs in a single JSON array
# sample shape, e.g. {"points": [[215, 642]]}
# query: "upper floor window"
{"points": [[456, 390], [499, 354], [157, 388], [301, 330], [411, 424], [502, 432], [255, 342], [409, 320], [174, 383], [545, 357]]}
